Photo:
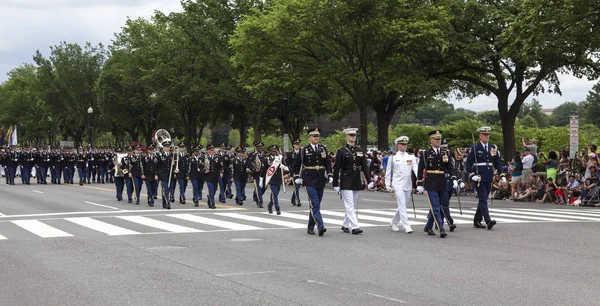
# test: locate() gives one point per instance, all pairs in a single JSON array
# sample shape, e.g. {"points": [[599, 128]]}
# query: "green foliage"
{"points": [[233, 138], [591, 106], [562, 114], [491, 117], [417, 135]]}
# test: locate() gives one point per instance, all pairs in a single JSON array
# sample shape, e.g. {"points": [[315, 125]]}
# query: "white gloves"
{"points": [[260, 182], [420, 189], [298, 181], [454, 184], [330, 180], [476, 178], [503, 180], [462, 184], [285, 168], [337, 189]]}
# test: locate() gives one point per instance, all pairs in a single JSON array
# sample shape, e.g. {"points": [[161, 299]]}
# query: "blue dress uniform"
{"points": [[136, 170], [213, 172], [312, 168], [44, 160], [229, 172], [255, 164], [12, 158], [82, 160], [27, 161], [195, 172], [224, 180], [289, 160], [451, 178], [433, 165], [71, 162], [240, 175], [163, 166], [276, 179], [182, 162], [149, 162], [481, 161]]}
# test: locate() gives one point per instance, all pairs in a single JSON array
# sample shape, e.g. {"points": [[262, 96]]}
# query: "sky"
{"points": [[30, 25]]}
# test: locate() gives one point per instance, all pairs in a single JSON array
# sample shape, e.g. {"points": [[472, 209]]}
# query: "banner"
{"points": [[573, 136], [13, 138], [8, 135]]}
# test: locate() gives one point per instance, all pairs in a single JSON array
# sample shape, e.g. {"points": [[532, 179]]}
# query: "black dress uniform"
{"points": [[213, 171], [255, 163], [136, 171], [312, 168], [44, 161], [240, 175], [182, 162], [149, 162], [195, 173], [276, 178], [290, 158], [433, 165], [164, 160], [348, 171], [82, 163]]}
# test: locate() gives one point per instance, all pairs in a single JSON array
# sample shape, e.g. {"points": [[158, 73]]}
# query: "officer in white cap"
{"points": [[398, 180], [350, 175]]}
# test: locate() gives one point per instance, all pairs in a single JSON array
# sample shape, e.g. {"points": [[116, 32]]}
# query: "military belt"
{"points": [[314, 167], [435, 172], [81, 160], [483, 164]]}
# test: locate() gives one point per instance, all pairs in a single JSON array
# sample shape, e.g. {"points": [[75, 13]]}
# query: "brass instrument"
{"points": [[118, 158], [256, 163], [160, 137], [176, 161], [206, 163]]}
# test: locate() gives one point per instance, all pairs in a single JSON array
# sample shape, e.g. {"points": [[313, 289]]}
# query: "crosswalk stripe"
{"points": [[174, 228], [387, 213], [2, 237], [214, 222], [102, 227], [325, 220], [272, 221], [456, 216], [527, 214], [41, 229], [362, 216], [565, 211]]}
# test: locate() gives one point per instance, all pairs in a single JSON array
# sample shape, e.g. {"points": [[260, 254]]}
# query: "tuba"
{"points": [[256, 163], [161, 136]]}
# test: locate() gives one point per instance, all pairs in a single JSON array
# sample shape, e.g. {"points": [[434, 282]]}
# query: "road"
{"points": [[72, 245]]}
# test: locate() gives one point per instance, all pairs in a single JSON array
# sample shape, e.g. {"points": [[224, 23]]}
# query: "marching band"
{"points": [[310, 167]]}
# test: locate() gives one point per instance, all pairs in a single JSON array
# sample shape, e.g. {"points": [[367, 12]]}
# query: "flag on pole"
{"points": [[8, 135], [13, 138]]}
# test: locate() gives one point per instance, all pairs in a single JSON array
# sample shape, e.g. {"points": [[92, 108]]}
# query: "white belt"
{"points": [[484, 164], [526, 168]]}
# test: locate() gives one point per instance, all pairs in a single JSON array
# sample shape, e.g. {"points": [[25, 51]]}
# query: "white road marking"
{"points": [[37, 191], [245, 273], [525, 214], [325, 220], [102, 227], [105, 206], [2, 237], [41, 229], [272, 221], [317, 282], [114, 212], [387, 298], [160, 224], [215, 222]]}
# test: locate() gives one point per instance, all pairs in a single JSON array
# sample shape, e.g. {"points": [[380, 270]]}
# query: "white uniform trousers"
{"points": [[402, 198], [350, 198]]}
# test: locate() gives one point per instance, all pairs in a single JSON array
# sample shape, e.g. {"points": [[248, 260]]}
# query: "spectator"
{"points": [[573, 189], [587, 186], [541, 189], [528, 161], [550, 188], [375, 163], [577, 165], [517, 175], [551, 164], [501, 190], [533, 148], [560, 190], [531, 192], [564, 162], [384, 159]]}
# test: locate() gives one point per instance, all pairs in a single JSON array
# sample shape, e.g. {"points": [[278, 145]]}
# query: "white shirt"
{"points": [[399, 177], [486, 146], [527, 162]]}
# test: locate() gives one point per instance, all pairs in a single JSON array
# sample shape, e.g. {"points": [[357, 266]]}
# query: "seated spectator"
{"points": [[573, 190], [531, 192], [501, 190], [541, 188], [587, 186], [550, 188], [561, 190]]}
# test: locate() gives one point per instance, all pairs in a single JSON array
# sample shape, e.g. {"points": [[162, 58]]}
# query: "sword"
{"points": [[458, 197], [413, 202]]}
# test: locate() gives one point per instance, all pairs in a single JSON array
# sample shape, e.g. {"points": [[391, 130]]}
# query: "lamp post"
{"points": [[154, 117], [49, 131], [90, 111]]}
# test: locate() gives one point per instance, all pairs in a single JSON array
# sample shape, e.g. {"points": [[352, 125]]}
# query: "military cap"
{"points": [[210, 147], [259, 144], [239, 150], [166, 144], [484, 130], [350, 131], [137, 147], [444, 143], [401, 140], [200, 146], [315, 131], [255, 143], [150, 147], [273, 147], [196, 148], [129, 149], [222, 145], [297, 141], [437, 134], [80, 147], [228, 147], [181, 145]]}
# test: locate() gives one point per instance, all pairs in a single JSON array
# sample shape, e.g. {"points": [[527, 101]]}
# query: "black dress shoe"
{"points": [[270, 210], [222, 201], [429, 232], [130, 201], [120, 199], [244, 198], [137, 202], [168, 206], [443, 234], [345, 229], [322, 231], [151, 204], [491, 224], [196, 204], [299, 204], [357, 231], [478, 225], [213, 207], [154, 197], [311, 232], [278, 212], [452, 227]]}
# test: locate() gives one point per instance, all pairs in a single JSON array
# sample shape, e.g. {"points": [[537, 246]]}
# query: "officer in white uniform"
{"points": [[398, 181]]}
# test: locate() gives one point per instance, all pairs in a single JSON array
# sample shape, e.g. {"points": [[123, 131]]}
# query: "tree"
{"points": [[534, 110], [511, 49], [490, 117], [591, 106], [433, 112], [67, 84], [562, 114]]}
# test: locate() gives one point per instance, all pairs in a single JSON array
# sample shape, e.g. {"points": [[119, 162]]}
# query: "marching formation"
{"points": [[224, 171]]}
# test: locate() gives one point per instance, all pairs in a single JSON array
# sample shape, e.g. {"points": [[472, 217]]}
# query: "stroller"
{"points": [[592, 197]]}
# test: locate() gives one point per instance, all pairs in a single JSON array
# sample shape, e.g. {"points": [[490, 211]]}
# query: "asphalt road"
{"points": [[72, 245]]}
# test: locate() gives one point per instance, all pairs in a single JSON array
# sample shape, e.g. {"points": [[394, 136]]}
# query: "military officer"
{"points": [[289, 160], [125, 164], [119, 176], [110, 175], [229, 172], [195, 171], [481, 161], [12, 160], [223, 181], [255, 163], [71, 163], [398, 179], [181, 175], [276, 177], [164, 161], [312, 168], [350, 175], [150, 171], [44, 161], [430, 177], [92, 165], [213, 172], [101, 161], [27, 162], [240, 175], [136, 172], [202, 175], [451, 184], [82, 160]]}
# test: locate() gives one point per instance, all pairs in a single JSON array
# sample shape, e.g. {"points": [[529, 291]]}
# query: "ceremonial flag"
{"points": [[8, 135], [13, 137]]}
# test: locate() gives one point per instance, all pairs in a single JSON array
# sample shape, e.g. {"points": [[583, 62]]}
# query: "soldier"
{"points": [[92, 165], [483, 158], [350, 175], [44, 162], [255, 163], [240, 175], [276, 177], [110, 175], [213, 172], [181, 173], [27, 162], [195, 171], [229, 172], [3, 163], [125, 165], [451, 184], [71, 162], [101, 162], [12, 160], [224, 181], [164, 166], [151, 174], [289, 160], [202, 176], [433, 164], [117, 174], [398, 179], [82, 165], [312, 168], [136, 173]]}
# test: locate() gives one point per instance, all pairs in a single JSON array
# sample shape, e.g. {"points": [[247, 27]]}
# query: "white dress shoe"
{"points": [[395, 227], [408, 230]]}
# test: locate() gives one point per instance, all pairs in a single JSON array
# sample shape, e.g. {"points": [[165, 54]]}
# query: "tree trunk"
{"points": [[383, 125], [508, 133], [243, 134], [257, 127], [362, 112]]}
